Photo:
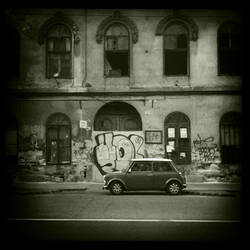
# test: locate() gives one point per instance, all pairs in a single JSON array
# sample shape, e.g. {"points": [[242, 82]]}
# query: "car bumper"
{"points": [[184, 185], [105, 186]]}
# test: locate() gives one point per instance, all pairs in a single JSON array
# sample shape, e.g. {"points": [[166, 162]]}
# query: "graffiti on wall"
{"points": [[205, 150], [113, 152]]}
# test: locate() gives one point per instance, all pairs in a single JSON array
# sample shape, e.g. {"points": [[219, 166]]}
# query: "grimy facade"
{"points": [[96, 87]]}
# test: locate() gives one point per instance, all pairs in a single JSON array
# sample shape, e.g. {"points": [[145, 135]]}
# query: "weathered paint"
{"points": [[203, 111]]}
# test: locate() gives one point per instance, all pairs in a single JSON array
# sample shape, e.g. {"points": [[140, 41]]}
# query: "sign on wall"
{"points": [[153, 136], [83, 124]]}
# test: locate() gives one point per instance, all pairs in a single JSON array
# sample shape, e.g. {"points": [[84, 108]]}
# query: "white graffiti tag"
{"points": [[113, 152]]}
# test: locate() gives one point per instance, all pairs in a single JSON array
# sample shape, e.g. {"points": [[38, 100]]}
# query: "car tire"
{"points": [[173, 187], [116, 188]]}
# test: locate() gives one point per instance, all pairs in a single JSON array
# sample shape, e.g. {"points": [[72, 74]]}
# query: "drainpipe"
{"points": [[85, 49]]}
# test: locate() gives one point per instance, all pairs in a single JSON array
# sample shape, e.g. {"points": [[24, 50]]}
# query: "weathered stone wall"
{"points": [[146, 54], [88, 150]]}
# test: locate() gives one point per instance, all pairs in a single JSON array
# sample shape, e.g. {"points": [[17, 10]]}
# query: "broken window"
{"points": [[116, 59], [229, 49], [59, 52], [176, 50], [58, 139]]}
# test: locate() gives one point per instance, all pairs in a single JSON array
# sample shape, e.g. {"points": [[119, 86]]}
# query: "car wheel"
{"points": [[173, 187], [116, 188]]}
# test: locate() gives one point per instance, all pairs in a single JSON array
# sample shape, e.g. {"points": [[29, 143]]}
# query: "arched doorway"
{"points": [[58, 139], [117, 116], [230, 137], [177, 138], [119, 136]]}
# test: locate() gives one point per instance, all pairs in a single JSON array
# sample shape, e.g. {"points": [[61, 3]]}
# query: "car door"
{"points": [[162, 171], [140, 176]]}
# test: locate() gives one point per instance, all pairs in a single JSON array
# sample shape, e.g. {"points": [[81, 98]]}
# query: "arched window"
{"points": [[230, 137], [176, 50], [58, 139], [229, 49], [177, 138], [59, 51], [116, 55], [117, 116]]}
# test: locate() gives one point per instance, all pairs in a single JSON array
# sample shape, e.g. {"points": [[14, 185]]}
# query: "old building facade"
{"points": [[97, 87]]}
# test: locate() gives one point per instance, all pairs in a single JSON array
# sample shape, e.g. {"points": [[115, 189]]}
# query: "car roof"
{"points": [[151, 159]]}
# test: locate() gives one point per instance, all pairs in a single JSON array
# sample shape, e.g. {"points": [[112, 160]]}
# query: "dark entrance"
{"points": [[230, 138], [177, 138]]}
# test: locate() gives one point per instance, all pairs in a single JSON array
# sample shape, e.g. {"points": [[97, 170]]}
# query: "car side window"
{"points": [[162, 166], [141, 166]]}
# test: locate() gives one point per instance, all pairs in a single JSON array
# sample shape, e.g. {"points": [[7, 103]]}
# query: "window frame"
{"points": [[239, 49], [57, 127], [53, 27], [116, 51], [181, 49]]}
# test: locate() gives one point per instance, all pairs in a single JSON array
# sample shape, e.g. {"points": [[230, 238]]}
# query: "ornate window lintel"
{"points": [[117, 18], [58, 18], [188, 22]]}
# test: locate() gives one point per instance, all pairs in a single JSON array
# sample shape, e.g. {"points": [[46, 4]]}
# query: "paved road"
{"points": [[131, 205], [125, 230], [97, 215]]}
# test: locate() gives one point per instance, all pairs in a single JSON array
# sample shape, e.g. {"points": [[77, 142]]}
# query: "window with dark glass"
{"points": [[58, 139], [230, 138], [229, 49], [116, 55], [117, 116], [142, 166], [160, 166], [59, 52], [176, 50]]}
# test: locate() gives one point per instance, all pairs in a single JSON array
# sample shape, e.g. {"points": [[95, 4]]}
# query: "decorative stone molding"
{"points": [[19, 22], [58, 18], [117, 17], [187, 21]]}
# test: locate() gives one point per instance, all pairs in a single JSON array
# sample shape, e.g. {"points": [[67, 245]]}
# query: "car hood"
{"points": [[115, 174]]}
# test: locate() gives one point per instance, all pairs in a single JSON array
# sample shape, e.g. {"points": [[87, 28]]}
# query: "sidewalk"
{"points": [[50, 187]]}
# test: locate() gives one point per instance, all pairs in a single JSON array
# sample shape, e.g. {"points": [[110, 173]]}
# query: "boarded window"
{"points": [[116, 61], [176, 50], [59, 52], [230, 137], [58, 139], [117, 116], [229, 49]]}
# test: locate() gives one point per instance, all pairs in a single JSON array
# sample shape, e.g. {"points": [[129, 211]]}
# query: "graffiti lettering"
{"points": [[114, 151], [205, 149]]}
